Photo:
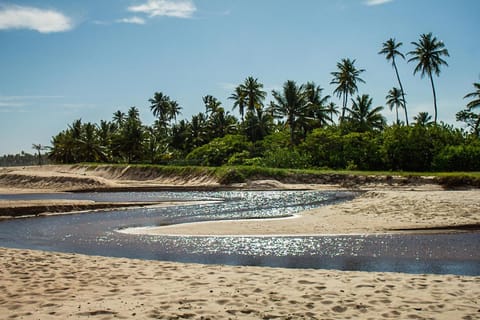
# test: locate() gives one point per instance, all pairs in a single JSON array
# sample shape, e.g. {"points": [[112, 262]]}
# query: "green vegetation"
{"points": [[299, 129]]}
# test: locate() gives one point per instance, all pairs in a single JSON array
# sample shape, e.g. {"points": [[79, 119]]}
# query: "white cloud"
{"points": [[133, 20], [44, 21], [376, 2], [169, 8]]}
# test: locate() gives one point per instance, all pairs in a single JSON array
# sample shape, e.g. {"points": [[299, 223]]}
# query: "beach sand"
{"points": [[47, 285]]}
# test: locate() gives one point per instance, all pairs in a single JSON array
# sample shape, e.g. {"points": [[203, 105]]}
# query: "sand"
{"points": [[47, 285]]}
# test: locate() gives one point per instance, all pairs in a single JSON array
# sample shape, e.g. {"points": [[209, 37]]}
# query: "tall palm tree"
{"points": [[394, 100], [423, 119], [428, 53], [475, 103], [363, 117], [291, 103], [212, 104], [390, 50], [346, 79], [118, 118], [239, 98], [253, 93]]}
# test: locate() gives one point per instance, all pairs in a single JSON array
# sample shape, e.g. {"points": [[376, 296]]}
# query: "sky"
{"points": [[65, 60]]}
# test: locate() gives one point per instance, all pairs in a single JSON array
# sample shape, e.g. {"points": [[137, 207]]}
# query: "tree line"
{"points": [[299, 127]]}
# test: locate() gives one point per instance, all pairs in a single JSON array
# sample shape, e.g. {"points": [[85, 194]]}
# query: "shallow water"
{"points": [[95, 234]]}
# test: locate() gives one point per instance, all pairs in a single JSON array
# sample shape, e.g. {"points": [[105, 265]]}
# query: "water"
{"points": [[96, 234]]}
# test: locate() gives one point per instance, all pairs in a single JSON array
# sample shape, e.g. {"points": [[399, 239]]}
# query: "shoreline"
{"points": [[50, 285]]}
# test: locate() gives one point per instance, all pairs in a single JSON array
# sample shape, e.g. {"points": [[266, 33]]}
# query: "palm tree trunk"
{"points": [[344, 102], [434, 98], [396, 110], [401, 89]]}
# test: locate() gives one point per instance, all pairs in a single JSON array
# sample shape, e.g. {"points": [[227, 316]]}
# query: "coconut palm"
{"points": [[363, 117], [394, 100], [318, 104], [253, 93], [291, 103], [428, 54], [475, 103], [423, 119], [212, 104], [164, 108], [239, 98], [346, 79], [390, 50]]}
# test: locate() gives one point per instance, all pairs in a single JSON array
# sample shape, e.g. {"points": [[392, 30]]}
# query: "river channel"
{"points": [[96, 233]]}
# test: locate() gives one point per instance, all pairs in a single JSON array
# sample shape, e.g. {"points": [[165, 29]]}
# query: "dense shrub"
{"points": [[458, 158], [218, 151], [286, 158]]}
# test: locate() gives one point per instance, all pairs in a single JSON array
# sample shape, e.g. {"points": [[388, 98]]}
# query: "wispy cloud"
{"points": [[376, 2], [169, 8], [41, 20], [132, 20]]}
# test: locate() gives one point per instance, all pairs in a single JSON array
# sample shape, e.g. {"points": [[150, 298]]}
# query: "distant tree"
{"points": [[390, 50], [38, 148], [428, 54], [292, 104], [253, 93], [362, 117], [318, 113], [346, 79], [423, 119], [394, 100], [239, 100], [164, 108], [475, 103], [212, 104]]}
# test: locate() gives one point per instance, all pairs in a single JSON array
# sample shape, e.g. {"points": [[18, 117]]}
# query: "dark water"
{"points": [[95, 234]]}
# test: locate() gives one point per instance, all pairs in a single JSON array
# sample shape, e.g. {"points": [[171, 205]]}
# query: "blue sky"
{"points": [[65, 60]]}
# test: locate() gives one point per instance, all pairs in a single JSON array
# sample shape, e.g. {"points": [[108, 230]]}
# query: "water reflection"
{"points": [[95, 234]]}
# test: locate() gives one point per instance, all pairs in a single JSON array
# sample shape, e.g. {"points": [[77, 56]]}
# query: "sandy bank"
{"points": [[372, 212], [45, 285]]}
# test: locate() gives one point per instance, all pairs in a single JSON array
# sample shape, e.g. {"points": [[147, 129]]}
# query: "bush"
{"points": [[231, 176], [218, 151], [286, 158], [458, 158]]}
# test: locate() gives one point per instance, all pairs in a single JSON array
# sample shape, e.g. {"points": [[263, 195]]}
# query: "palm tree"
{"points": [[212, 104], [332, 109], [118, 118], [428, 53], [476, 95], [239, 98], [423, 119], [394, 100], [318, 106], [291, 103], [390, 50], [362, 117], [253, 93], [38, 148], [346, 79], [164, 108]]}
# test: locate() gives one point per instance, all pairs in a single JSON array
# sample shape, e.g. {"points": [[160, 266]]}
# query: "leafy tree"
{"points": [[218, 151], [362, 117], [390, 50], [346, 79], [428, 54], [394, 100]]}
